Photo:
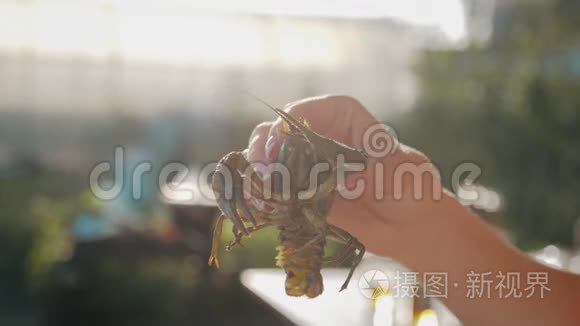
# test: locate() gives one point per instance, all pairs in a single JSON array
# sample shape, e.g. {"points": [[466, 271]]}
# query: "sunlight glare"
{"points": [[384, 310], [427, 317], [207, 32]]}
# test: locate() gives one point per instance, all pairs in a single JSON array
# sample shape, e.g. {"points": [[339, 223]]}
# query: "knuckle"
{"points": [[261, 129], [345, 100], [413, 155], [327, 101]]}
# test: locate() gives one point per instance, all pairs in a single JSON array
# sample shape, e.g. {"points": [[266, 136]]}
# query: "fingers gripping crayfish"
{"points": [[301, 220]]}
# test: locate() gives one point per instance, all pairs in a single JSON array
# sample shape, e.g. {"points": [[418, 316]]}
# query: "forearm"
{"points": [[454, 241], [427, 236]]}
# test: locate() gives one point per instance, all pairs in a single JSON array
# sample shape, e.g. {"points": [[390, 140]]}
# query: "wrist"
{"points": [[445, 236]]}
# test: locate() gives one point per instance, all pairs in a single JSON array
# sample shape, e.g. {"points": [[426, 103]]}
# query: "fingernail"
{"points": [[272, 148]]}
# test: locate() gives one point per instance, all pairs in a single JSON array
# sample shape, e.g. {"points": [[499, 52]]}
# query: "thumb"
{"points": [[338, 117]]}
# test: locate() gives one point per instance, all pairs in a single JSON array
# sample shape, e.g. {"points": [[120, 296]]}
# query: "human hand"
{"points": [[416, 221], [386, 216]]}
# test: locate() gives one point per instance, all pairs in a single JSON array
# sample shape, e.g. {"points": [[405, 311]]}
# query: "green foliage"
{"points": [[52, 242], [513, 107], [259, 250]]}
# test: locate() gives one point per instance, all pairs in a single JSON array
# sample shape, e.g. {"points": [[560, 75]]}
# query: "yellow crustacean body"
{"points": [[301, 222], [301, 263]]}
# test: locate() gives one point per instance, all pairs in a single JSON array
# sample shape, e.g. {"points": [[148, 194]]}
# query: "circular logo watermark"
{"points": [[373, 284], [380, 140]]}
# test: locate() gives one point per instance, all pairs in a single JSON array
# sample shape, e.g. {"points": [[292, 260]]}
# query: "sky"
{"points": [[446, 14], [151, 29]]}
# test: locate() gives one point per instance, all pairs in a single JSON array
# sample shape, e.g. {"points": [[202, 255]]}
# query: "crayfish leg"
{"points": [[228, 185], [215, 243], [352, 246], [238, 236], [356, 260]]}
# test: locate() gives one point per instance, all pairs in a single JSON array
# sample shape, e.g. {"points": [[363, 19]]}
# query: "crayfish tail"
{"points": [[301, 261]]}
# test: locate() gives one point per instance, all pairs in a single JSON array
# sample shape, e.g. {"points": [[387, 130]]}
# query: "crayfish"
{"points": [[299, 217]]}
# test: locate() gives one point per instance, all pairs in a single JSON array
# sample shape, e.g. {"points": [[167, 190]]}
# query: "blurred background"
{"points": [[490, 82]]}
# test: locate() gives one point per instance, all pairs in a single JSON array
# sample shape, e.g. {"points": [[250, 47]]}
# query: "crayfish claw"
{"points": [[241, 206], [213, 259], [233, 243], [215, 242]]}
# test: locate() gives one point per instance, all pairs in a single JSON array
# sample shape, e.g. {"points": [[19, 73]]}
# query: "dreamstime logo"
{"points": [[373, 284], [107, 180], [380, 140]]}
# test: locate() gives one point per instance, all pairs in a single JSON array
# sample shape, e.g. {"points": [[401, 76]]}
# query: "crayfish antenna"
{"points": [[289, 121], [328, 146], [297, 125]]}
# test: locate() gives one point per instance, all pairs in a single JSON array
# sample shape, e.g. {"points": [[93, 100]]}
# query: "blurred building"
{"points": [[92, 59], [479, 19], [80, 78]]}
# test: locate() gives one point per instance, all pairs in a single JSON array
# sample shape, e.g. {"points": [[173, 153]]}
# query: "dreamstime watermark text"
{"points": [[383, 175]]}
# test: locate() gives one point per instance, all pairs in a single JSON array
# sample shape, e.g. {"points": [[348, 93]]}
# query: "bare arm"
{"points": [[462, 243], [433, 233]]}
